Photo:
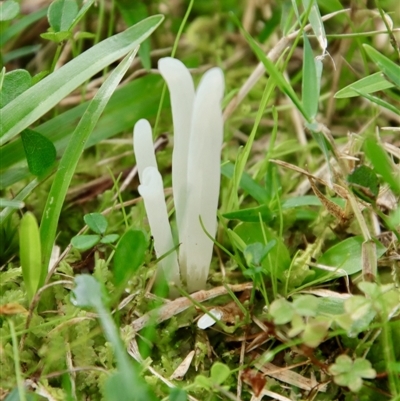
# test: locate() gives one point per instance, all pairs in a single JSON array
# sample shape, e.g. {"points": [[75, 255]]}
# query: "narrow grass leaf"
{"points": [[129, 255], [254, 189], [36, 101], [8, 10], [370, 84], [120, 114], [14, 83], [96, 222], [310, 84], [382, 164], [72, 154], [273, 71], [317, 25], [387, 66], [61, 14], [33, 272], [251, 214], [39, 151], [380, 102]]}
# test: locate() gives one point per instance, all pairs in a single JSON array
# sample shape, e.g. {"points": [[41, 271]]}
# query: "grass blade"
{"points": [[370, 84], [387, 66], [36, 101], [71, 157]]}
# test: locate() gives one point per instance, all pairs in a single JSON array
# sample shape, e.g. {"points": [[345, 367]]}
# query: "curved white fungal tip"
{"points": [[181, 89], [207, 321], [152, 192], [143, 147]]}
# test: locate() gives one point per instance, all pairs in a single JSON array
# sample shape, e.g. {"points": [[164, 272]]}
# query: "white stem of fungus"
{"points": [[181, 89], [143, 147], [152, 192], [203, 175]]}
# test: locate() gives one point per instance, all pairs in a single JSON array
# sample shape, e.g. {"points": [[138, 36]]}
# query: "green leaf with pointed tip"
{"points": [[39, 151], [96, 222], [387, 66], [370, 84], [61, 14]]}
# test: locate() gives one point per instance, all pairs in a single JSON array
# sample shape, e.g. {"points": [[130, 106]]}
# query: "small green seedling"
{"points": [[349, 373], [97, 223], [33, 271], [218, 375]]}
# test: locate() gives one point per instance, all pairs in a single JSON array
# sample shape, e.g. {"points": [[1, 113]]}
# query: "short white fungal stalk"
{"points": [[198, 133]]}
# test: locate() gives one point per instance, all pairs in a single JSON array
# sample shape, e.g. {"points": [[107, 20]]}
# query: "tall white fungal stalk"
{"points": [[198, 133]]}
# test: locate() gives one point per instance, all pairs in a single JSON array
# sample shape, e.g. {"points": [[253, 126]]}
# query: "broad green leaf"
{"points": [[61, 14], [252, 214], [370, 84], [281, 311], [36, 101], [72, 154], [364, 183], [85, 242], [219, 372], [8, 10], [96, 222], [14, 83], [39, 151], [387, 66], [382, 164], [129, 255], [346, 256], [30, 255], [311, 82]]}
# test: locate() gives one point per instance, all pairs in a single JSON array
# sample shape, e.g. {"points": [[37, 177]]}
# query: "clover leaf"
{"points": [[349, 373]]}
